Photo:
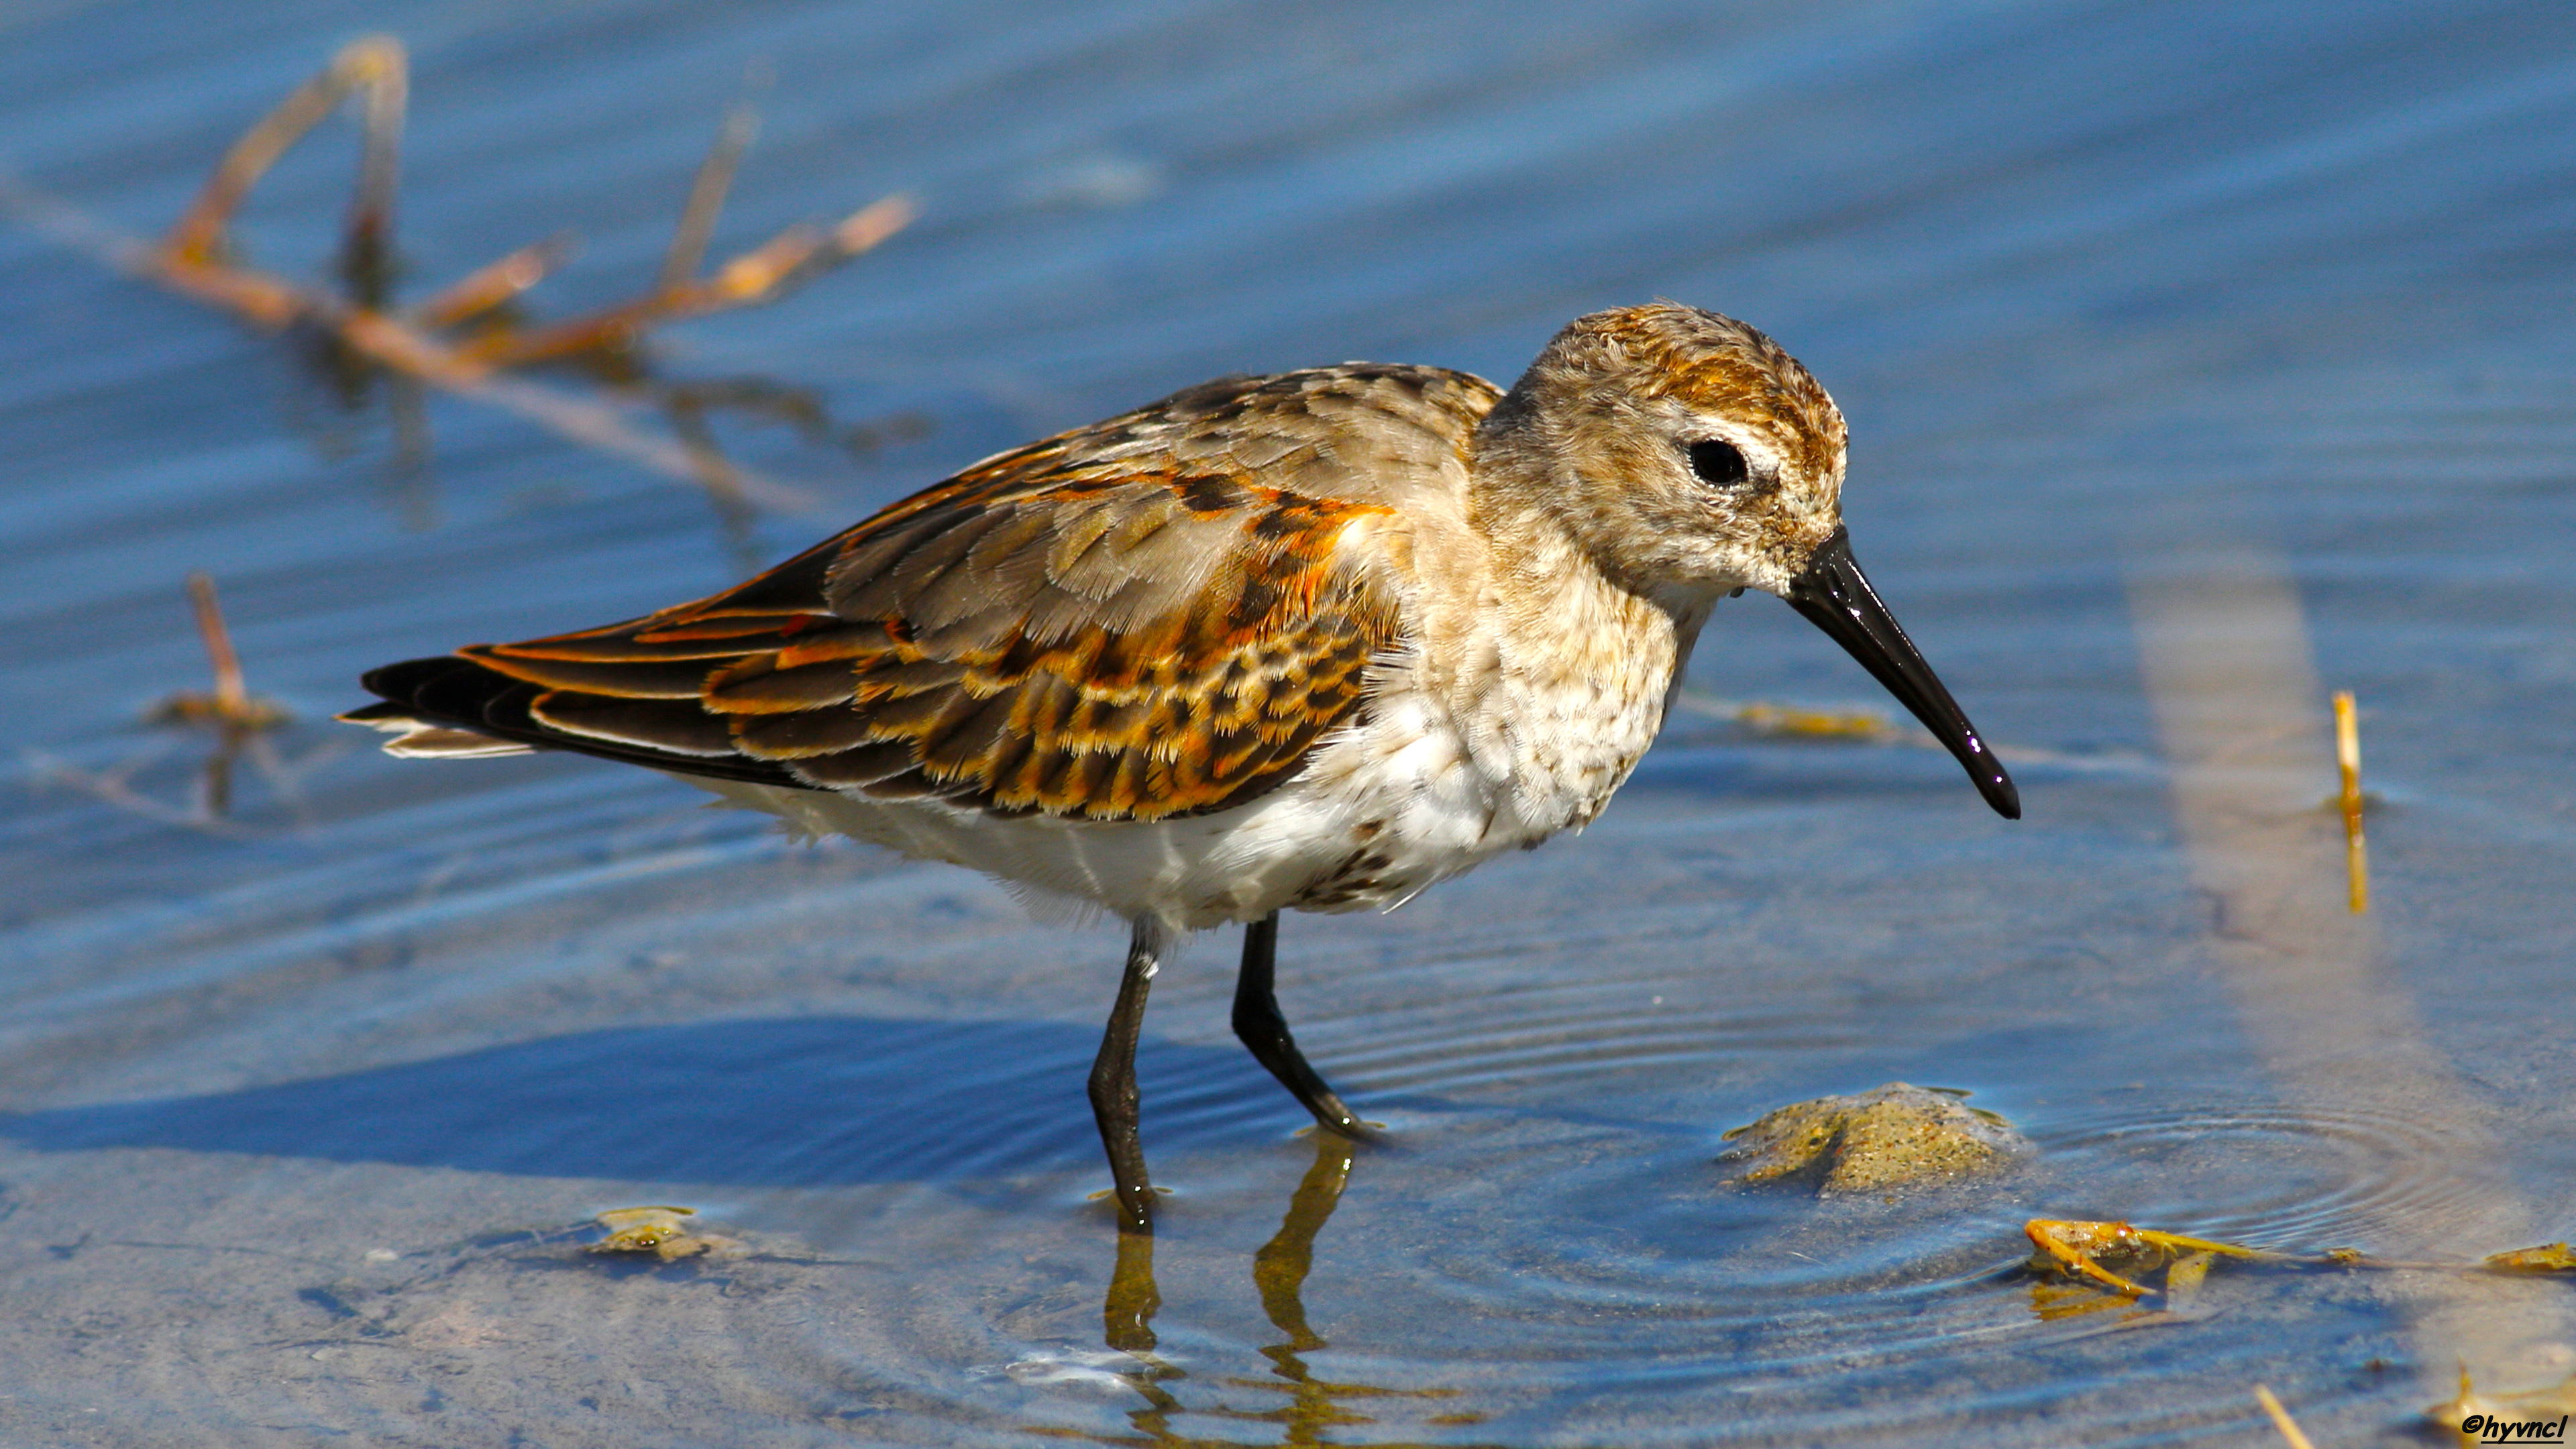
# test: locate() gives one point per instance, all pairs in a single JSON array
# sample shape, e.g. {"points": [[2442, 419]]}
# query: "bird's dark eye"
{"points": [[1717, 463]]}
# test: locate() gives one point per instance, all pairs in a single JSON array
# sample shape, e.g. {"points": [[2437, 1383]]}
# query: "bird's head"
{"points": [[1682, 450]]}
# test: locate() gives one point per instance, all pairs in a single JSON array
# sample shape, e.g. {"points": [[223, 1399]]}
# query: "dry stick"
{"points": [[864, 228], [232, 698], [376, 63], [111, 789], [489, 286], [2356, 855], [231, 705], [281, 777], [762, 274], [215, 788], [366, 260], [2547, 1258], [2281, 1419], [386, 340], [707, 197], [189, 260]]}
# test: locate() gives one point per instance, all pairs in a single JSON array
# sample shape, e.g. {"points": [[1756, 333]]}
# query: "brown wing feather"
{"points": [[1132, 621]]}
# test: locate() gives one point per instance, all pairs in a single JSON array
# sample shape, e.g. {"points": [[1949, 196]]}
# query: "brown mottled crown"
{"points": [[1597, 441], [1708, 361]]}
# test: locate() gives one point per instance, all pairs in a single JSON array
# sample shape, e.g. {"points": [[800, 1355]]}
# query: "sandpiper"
{"points": [[1310, 641]]}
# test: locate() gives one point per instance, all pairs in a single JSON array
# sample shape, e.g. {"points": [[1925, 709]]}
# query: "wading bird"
{"points": [[1311, 641]]}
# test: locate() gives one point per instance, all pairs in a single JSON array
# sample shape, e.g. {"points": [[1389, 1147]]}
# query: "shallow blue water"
{"points": [[299, 1101]]}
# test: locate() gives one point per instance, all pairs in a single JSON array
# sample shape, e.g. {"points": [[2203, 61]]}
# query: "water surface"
{"points": [[304, 1106]]}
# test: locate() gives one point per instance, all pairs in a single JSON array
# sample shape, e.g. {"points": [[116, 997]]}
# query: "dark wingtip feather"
{"points": [[455, 691]]}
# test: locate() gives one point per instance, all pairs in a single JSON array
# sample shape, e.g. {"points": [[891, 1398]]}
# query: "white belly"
{"points": [[1415, 793], [1366, 826]]}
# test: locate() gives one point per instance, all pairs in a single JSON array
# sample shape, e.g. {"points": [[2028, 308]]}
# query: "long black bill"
{"points": [[1836, 597]]}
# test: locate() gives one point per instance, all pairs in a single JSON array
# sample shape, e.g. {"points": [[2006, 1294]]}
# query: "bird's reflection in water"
{"points": [[1127, 1316], [1279, 1272]]}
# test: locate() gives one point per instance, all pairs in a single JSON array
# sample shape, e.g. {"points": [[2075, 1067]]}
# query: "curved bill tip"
{"points": [[1836, 597]]}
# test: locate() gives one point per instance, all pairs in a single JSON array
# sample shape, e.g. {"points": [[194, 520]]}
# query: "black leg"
{"points": [[1113, 1083], [1258, 1022]]}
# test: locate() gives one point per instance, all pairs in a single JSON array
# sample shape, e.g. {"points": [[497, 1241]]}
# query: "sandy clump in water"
{"points": [[1897, 1136]]}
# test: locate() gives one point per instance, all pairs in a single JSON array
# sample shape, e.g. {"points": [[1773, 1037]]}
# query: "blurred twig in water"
{"points": [[231, 706], [2281, 1419], [491, 286], [114, 787], [762, 274], [707, 197], [241, 721], [418, 347], [2356, 856], [1766, 720], [375, 65], [238, 717]]}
